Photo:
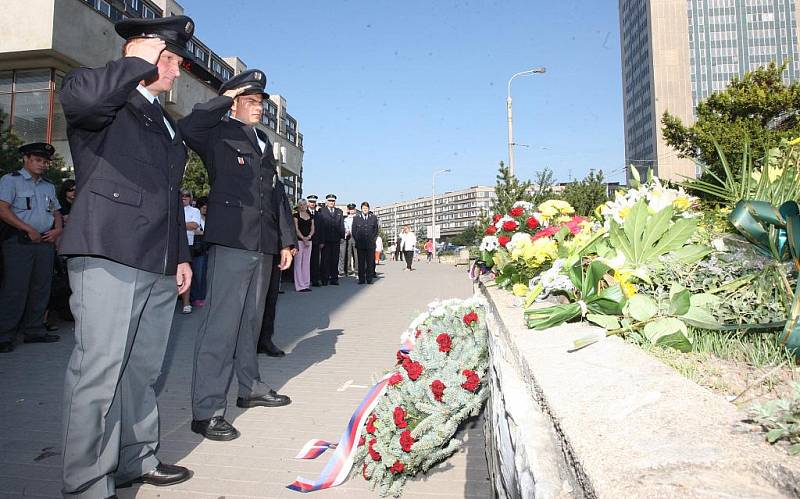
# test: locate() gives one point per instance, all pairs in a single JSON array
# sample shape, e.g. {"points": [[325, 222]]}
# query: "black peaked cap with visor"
{"points": [[175, 31], [254, 78]]}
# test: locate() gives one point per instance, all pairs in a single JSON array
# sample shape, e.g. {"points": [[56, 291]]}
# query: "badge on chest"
{"points": [[240, 159]]}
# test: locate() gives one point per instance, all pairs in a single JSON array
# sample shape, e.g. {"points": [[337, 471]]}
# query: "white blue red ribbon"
{"points": [[340, 463]]}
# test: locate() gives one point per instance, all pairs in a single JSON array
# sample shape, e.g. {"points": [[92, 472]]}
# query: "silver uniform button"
{"points": [[116, 194]]}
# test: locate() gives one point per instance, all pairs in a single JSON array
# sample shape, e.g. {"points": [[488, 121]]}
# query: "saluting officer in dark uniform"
{"points": [[315, 266], [248, 223], [29, 208], [331, 232], [365, 231], [129, 258]]}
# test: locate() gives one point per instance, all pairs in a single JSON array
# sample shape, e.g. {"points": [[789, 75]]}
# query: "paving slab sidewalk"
{"points": [[339, 340]]}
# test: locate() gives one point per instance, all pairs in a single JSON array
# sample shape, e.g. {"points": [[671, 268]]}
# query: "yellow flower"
{"points": [[774, 174], [681, 203], [628, 289], [540, 251], [623, 212], [756, 175], [548, 211], [519, 289]]}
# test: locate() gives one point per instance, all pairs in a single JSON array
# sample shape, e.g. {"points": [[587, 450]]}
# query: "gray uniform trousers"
{"points": [[348, 260], [237, 288], [123, 318], [25, 290]]}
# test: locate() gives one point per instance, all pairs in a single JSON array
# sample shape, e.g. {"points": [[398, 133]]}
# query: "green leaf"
{"points": [[679, 341], [609, 322], [656, 227], [636, 226], [534, 293], [680, 300], [705, 300], [691, 253], [642, 307], [674, 239], [665, 326], [794, 449], [584, 342], [775, 434]]}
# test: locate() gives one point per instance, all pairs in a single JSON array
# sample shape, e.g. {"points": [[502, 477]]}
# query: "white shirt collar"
{"points": [[146, 93]]}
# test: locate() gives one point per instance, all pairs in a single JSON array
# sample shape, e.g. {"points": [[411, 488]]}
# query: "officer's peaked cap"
{"points": [[254, 78], [331, 197], [312, 197], [351, 206], [176, 31], [42, 149]]}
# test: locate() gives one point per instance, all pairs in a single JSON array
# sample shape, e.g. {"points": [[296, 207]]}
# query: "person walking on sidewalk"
{"points": [[429, 249], [129, 258], [408, 243], [365, 231], [249, 222]]}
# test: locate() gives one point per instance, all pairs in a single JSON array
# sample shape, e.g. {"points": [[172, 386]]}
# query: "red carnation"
{"points": [[414, 369], [532, 223], [372, 452], [417, 334], [397, 467], [550, 231], [400, 417], [371, 423], [510, 225], [361, 441], [395, 379], [516, 211], [472, 382], [471, 318], [406, 441], [401, 357], [444, 342], [491, 230], [496, 218], [503, 240], [437, 387]]}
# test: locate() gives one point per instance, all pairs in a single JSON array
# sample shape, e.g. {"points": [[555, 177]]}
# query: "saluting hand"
{"points": [[236, 92], [148, 49]]}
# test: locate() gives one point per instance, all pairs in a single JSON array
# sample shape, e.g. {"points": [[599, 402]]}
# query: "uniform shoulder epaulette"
{"points": [[15, 174], [48, 181]]}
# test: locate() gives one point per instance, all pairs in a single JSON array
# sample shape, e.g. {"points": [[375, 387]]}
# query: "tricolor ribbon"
{"points": [[775, 232], [340, 463]]}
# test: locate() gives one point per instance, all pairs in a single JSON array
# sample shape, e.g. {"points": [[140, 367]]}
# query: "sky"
{"points": [[388, 92]]}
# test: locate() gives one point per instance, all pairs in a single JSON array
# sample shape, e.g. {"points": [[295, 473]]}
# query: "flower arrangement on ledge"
{"points": [[435, 386], [641, 266]]}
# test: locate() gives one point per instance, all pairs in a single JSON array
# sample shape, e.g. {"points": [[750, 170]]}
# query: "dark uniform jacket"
{"points": [[247, 206], [365, 230], [318, 229], [332, 225], [128, 170]]}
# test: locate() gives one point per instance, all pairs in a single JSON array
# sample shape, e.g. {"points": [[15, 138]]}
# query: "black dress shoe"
{"points": [[6, 346], [161, 476], [50, 327], [335, 283], [215, 428], [324, 283], [45, 338], [369, 281], [271, 350], [361, 282], [316, 284], [272, 399]]}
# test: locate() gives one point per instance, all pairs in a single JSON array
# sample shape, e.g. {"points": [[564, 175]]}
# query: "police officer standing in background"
{"points": [[331, 231], [365, 231], [315, 267], [129, 258], [29, 209], [248, 223]]}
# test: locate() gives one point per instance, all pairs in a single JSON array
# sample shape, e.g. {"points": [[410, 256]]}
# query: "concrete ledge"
{"points": [[610, 421]]}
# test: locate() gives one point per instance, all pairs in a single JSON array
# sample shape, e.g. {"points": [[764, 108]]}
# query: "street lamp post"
{"points": [[433, 209], [510, 119]]}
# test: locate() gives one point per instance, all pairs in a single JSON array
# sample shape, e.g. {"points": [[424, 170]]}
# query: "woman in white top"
{"points": [[378, 249], [408, 241]]}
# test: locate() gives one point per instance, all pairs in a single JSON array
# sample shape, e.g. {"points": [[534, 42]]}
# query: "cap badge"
{"points": [[257, 76], [189, 27]]}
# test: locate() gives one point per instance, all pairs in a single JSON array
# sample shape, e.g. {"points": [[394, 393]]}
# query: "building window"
{"points": [[148, 13]]}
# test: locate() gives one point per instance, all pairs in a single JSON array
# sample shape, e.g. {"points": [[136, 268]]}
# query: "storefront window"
{"points": [[31, 113]]}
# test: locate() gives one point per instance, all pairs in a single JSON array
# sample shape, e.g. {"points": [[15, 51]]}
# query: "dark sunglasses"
{"points": [[71, 189]]}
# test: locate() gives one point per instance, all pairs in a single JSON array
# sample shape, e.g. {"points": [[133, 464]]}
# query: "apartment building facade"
{"points": [[678, 52], [41, 40], [455, 211]]}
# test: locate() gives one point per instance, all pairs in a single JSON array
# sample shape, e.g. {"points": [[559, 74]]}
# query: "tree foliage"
{"points": [[471, 236], [759, 108], [542, 185], [508, 190], [587, 194], [196, 178]]}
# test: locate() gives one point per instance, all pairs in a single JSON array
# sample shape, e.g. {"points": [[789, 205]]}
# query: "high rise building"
{"points": [[41, 40], [677, 52]]}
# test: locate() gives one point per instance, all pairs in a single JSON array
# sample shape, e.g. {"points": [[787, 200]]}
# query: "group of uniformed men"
{"points": [[128, 256]]}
